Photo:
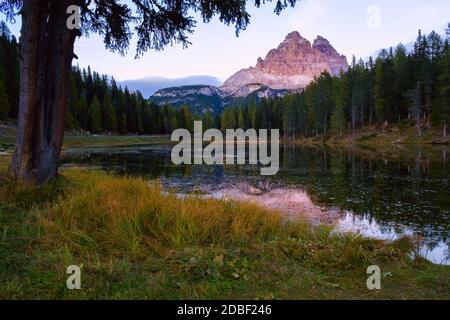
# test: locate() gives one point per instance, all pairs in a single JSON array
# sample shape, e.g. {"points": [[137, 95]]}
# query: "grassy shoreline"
{"points": [[390, 139], [105, 140], [79, 141], [133, 241], [376, 136]]}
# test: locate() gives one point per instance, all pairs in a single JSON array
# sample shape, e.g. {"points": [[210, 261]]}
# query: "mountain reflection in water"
{"points": [[380, 194]]}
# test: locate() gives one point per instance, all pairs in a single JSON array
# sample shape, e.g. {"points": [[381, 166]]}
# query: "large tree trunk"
{"points": [[46, 53], [445, 129]]}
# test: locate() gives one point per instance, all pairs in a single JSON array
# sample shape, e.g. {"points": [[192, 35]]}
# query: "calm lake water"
{"points": [[381, 195]]}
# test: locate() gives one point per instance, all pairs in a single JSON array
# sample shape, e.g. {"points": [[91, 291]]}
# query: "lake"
{"points": [[381, 194]]}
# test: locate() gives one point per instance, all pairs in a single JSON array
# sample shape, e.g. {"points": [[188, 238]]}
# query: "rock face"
{"points": [[336, 62], [204, 98], [199, 98], [288, 68], [291, 66]]}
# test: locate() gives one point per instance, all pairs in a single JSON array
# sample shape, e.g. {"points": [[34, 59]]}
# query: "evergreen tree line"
{"points": [[9, 74], [397, 85], [96, 103]]}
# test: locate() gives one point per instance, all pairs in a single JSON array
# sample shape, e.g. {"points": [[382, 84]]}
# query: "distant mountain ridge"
{"points": [[288, 68], [203, 98], [148, 86]]}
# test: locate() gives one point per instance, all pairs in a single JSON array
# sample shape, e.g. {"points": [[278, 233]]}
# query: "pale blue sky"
{"points": [[217, 52]]}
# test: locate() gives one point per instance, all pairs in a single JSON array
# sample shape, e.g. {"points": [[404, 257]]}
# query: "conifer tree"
{"points": [[443, 89], [4, 102], [109, 120], [340, 92], [95, 116]]}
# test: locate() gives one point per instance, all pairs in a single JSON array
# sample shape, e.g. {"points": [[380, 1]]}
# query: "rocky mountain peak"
{"points": [[289, 67], [321, 41], [294, 37], [292, 65], [324, 46]]}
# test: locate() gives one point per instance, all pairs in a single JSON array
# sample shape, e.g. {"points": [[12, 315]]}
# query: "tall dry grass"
{"points": [[124, 214], [92, 214]]}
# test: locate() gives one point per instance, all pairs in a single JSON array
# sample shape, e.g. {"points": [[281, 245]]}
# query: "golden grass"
{"points": [[133, 240], [132, 217], [89, 212], [131, 214], [4, 161]]}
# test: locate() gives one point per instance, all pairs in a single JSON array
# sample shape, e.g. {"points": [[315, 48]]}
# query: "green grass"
{"points": [[133, 241], [104, 140], [6, 143], [74, 141], [377, 136]]}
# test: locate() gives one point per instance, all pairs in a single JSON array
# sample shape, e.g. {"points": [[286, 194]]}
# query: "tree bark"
{"points": [[46, 53], [445, 129]]}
